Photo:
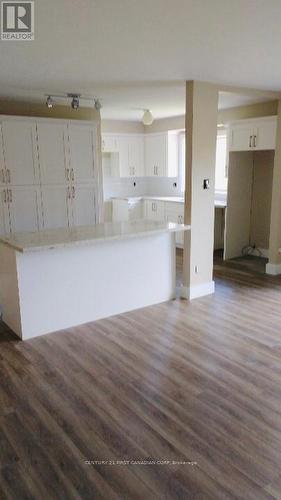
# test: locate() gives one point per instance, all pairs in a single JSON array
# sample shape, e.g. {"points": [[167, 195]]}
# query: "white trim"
{"points": [[197, 291], [273, 269]]}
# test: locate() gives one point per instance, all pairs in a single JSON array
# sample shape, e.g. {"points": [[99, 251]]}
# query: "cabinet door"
{"points": [[83, 205], [241, 137], [25, 209], [55, 203], [156, 155], [155, 210], [81, 149], [136, 156], [52, 144], [123, 151], [265, 135], [4, 212], [20, 150], [109, 144]]}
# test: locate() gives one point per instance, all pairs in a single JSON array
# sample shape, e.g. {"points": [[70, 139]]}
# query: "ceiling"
{"points": [[137, 54]]}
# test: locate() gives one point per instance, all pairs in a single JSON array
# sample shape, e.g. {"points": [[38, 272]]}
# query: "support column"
{"points": [[201, 134], [274, 265]]}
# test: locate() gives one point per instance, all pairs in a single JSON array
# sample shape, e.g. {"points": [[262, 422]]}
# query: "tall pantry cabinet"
{"points": [[49, 174]]}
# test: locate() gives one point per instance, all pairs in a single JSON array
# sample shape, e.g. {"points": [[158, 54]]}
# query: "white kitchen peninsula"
{"points": [[57, 279]]}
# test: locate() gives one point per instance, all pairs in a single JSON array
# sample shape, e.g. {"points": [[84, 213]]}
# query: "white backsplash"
{"points": [[140, 186]]}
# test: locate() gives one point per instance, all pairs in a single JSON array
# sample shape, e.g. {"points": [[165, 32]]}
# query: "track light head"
{"points": [[49, 102], [98, 105], [75, 103]]}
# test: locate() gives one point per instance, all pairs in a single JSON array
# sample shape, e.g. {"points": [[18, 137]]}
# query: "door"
{"points": [[56, 206], [81, 150], [25, 209], [53, 152], [20, 151], [4, 212], [83, 205], [241, 137]]}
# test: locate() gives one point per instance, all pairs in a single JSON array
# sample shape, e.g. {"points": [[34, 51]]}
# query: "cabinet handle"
{"points": [[255, 141], [8, 176], [67, 174], [73, 192], [250, 141], [5, 196], [156, 169], [72, 174], [68, 196], [3, 176], [10, 196]]}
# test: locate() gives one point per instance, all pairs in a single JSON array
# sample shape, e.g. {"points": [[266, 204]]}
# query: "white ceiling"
{"points": [[120, 50]]}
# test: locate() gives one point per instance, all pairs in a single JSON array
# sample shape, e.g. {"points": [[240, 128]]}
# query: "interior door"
{"points": [[83, 205], [19, 138], [25, 209], [53, 152], [82, 152], [4, 212], [56, 206]]}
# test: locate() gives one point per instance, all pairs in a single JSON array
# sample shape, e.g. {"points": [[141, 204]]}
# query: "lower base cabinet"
{"points": [[21, 209]]}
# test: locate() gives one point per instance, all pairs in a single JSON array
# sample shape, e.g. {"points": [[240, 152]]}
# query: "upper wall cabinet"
{"points": [[20, 153], [53, 152], [253, 135], [161, 154], [82, 152], [127, 154]]}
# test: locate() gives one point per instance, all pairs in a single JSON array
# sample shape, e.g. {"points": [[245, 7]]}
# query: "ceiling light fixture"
{"points": [[147, 117], [49, 102]]}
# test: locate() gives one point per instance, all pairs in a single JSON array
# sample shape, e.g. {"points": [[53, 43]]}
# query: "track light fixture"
{"points": [[49, 102], [75, 100]]}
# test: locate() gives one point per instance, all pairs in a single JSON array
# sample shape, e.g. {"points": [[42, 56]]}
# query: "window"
{"points": [[221, 162], [182, 161]]}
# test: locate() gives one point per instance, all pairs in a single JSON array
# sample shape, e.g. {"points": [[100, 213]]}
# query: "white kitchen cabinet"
{"points": [[155, 210], [3, 173], [83, 205], [174, 212], [4, 212], [136, 156], [109, 143], [56, 204], [53, 152], [155, 154], [81, 152], [252, 135], [20, 152], [25, 208]]}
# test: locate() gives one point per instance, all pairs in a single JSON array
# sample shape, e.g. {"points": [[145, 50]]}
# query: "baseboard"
{"points": [[273, 269], [194, 292]]}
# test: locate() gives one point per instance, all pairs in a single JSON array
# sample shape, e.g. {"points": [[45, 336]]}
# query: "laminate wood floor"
{"points": [[197, 384]]}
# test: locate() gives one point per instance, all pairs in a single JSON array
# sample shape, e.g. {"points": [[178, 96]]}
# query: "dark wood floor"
{"points": [[185, 382]]}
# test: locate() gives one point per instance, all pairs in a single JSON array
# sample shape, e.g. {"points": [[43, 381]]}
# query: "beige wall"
{"points": [[275, 221], [22, 108], [165, 124], [122, 127], [201, 134], [268, 108]]}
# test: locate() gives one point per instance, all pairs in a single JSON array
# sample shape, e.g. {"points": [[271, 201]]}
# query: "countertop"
{"points": [[86, 235], [174, 199]]}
